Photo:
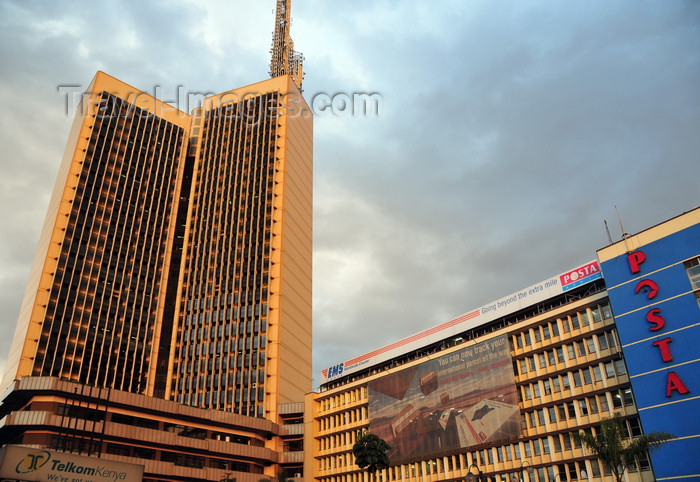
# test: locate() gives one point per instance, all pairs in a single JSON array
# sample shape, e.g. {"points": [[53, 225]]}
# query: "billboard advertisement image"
{"points": [[458, 400]]}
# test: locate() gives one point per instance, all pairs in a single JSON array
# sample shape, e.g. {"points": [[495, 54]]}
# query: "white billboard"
{"points": [[497, 309], [27, 464]]}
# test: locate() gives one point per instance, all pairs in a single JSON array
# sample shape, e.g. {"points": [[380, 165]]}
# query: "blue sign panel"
{"points": [[658, 321]]}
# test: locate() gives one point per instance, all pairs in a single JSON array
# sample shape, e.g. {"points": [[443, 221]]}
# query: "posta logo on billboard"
{"points": [[579, 276]]}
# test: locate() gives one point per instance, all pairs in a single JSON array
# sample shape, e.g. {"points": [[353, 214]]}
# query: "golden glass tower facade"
{"points": [[175, 260], [243, 341]]}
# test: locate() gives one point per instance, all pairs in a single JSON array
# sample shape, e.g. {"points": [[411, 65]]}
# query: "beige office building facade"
{"points": [[495, 393], [174, 265]]}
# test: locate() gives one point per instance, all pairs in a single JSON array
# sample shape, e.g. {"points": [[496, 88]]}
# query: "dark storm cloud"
{"points": [[507, 141], [509, 132]]}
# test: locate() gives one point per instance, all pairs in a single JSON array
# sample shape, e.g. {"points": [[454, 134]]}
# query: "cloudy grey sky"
{"points": [[509, 132]]}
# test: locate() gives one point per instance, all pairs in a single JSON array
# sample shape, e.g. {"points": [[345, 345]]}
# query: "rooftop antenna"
{"points": [[607, 231], [625, 234], [285, 60]]}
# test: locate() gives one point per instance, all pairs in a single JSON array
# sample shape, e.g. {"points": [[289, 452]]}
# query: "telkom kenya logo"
{"points": [[32, 462]]}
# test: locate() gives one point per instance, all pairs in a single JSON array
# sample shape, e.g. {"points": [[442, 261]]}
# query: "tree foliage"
{"points": [[280, 478], [370, 452], [613, 448]]}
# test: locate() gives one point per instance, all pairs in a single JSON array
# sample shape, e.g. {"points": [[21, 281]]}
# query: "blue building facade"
{"points": [[653, 281]]}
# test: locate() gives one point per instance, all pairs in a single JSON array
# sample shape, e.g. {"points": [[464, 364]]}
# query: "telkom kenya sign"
{"points": [[23, 463]]}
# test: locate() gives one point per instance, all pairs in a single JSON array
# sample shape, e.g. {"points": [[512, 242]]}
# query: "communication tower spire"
{"points": [[285, 60]]}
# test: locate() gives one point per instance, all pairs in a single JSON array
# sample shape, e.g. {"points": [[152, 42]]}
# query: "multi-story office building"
{"points": [[497, 392], [167, 318], [653, 280], [174, 263]]}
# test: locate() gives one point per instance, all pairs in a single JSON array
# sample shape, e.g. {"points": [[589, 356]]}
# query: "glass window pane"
{"points": [[574, 322], [593, 404], [694, 276], [584, 318], [591, 345], [557, 443], [583, 407], [560, 354], [565, 324], [577, 378], [581, 348]]}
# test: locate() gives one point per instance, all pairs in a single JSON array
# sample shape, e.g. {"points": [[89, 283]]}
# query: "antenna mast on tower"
{"points": [[285, 60]]}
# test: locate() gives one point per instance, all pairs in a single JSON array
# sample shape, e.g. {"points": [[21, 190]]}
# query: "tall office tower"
{"points": [[175, 260], [171, 288], [95, 302], [175, 264], [243, 338]]}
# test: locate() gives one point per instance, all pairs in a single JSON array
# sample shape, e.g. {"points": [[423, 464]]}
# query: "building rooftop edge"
{"points": [[498, 308], [683, 220]]}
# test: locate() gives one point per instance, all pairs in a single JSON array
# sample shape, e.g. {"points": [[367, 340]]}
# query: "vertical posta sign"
{"points": [[649, 289], [658, 322]]}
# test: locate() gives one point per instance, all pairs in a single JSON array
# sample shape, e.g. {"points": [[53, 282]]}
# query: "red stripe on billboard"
{"points": [[415, 337]]}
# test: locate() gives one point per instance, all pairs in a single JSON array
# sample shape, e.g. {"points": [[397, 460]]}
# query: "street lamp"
{"points": [[559, 474], [525, 466], [471, 477]]}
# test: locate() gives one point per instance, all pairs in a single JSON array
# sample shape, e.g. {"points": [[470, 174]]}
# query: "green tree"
{"points": [[370, 452], [612, 446]]}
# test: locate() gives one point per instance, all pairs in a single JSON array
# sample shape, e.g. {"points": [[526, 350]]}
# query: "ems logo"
{"points": [[333, 371], [32, 462], [579, 276]]}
